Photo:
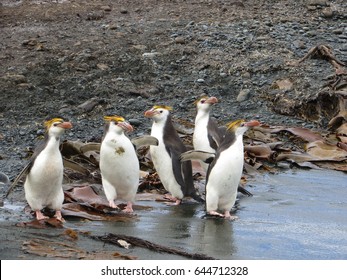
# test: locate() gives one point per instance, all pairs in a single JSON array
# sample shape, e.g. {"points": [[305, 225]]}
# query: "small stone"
{"points": [[327, 13], [338, 31], [89, 105], [135, 122], [123, 11], [150, 55], [102, 66], [106, 8], [16, 78], [130, 101], [180, 40], [243, 95], [200, 80], [299, 44]]}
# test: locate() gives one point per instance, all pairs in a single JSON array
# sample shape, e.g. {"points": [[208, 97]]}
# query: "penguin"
{"points": [[43, 183], [207, 134], [176, 177], [225, 169], [119, 164]]}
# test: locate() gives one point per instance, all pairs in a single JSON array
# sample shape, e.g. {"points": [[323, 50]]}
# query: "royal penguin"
{"points": [[225, 169], [119, 164], [43, 183], [176, 177], [207, 135]]}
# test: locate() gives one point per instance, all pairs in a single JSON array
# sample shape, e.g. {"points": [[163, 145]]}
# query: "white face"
{"points": [[205, 103], [158, 114], [120, 127], [58, 128], [241, 130]]}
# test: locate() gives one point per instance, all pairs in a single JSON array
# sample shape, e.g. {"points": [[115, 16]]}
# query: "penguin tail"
{"points": [[244, 191], [196, 196]]}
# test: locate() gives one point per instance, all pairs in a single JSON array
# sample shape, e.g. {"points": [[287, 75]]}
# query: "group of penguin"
{"points": [[219, 150]]}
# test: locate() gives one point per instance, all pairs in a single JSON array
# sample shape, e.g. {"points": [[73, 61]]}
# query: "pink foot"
{"points": [[215, 213], [229, 217], [129, 208], [175, 200], [58, 216], [112, 204], [40, 216]]}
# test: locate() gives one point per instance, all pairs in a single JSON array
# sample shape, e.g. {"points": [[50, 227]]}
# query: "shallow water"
{"points": [[292, 215]]}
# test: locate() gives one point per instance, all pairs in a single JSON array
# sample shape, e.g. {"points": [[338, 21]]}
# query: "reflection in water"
{"points": [[217, 238]]}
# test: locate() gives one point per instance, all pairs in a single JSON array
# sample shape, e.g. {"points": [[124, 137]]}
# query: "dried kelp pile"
{"points": [[292, 97]]}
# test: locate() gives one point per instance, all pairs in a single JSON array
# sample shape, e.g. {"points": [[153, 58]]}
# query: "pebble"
{"points": [[338, 31], [135, 122], [16, 78], [327, 13], [150, 55], [243, 95], [106, 8], [299, 44], [200, 80], [180, 40]]}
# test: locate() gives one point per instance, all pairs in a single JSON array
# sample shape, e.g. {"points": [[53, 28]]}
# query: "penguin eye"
{"points": [[161, 111], [203, 101], [55, 124]]}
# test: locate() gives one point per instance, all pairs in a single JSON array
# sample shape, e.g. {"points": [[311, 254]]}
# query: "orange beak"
{"points": [[150, 113], [126, 126], [212, 100], [252, 123], [65, 125]]}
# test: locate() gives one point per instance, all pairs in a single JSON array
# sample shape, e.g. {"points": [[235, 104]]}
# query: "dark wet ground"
{"points": [[293, 215]]}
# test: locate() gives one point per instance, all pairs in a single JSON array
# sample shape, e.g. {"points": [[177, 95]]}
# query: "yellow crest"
{"points": [[162, 107], [114, 118], [198, 100], [49, 123], [234, 125]]}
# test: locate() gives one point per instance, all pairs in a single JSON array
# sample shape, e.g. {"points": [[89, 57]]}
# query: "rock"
{"points": [[285, 84], [200, 80], [299, 44], [88, 105], [150, 55], [180, 40], [338, 31], [327, 13], [135, 122], [243, 95], [106, 8], [15, 78], [102, 66], [123, 11]]}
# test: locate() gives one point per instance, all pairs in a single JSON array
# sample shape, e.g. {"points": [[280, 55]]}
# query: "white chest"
{"points": [[226, 174], [200, 136]]}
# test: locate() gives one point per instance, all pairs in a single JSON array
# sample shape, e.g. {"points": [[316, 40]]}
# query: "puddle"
{"points": [[293, 215]]}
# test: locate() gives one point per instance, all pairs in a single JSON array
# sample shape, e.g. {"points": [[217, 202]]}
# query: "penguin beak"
{"points": [[150, 113], [126, 126], [65, 125], [252, 123], [211, 100]]}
